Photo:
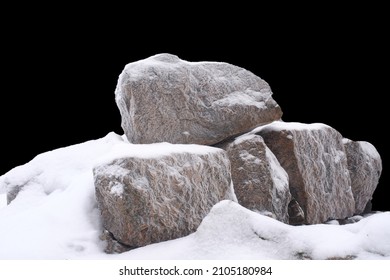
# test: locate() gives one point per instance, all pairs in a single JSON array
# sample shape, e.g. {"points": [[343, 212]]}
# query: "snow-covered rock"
{"points": [[314, 157], [165, 99], [148, 198], [260, 183], [365, 167]]}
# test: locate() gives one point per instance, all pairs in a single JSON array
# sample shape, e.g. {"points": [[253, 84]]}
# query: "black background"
{"points": [[60, 69]]}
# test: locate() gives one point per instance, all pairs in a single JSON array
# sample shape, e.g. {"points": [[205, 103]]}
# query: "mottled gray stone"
{"points": [[365, 168], [166, 99], [314, 157], [149, 200], [260, 183]]}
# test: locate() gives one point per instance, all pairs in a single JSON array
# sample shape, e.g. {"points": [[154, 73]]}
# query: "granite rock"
{"points": [[259, 181], [154, 199], [165, 99], [365, 168], [314, 157]]}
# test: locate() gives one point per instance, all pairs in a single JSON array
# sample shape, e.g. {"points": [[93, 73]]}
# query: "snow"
{"points": [[3, 200], [281, 125], [248, 97], [278, 173], [369, 149], [55, 216], [125, 149], [243, 138], [117, 190]]}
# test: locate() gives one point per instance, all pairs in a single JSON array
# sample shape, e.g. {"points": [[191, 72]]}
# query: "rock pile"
{"points": [[297, 173]]}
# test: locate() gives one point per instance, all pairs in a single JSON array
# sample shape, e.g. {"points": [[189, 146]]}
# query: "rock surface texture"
{"points": [[365, 168], [149, 200], [260, 183], [314, 157], [166, 99]]}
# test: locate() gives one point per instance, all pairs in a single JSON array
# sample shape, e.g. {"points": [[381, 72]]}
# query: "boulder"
{"points": [[148, 198], [365, 168], [260, 183], [314, 158], [165, 99]]}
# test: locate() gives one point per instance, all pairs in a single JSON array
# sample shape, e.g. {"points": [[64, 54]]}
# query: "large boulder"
{"points": [[314, 157], [166, 99], [365, 168], [260, 183], [162, 193]]}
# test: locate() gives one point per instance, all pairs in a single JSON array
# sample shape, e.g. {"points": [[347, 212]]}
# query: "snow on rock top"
{"points": [[155, 150], [369, 149], [165, 99], [296, 126]]}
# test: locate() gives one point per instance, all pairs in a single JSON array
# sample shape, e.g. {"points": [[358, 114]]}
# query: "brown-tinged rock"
{"points": [[314, 157], [165, 99], [365, 168], [260, 183], [150, 199]]}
